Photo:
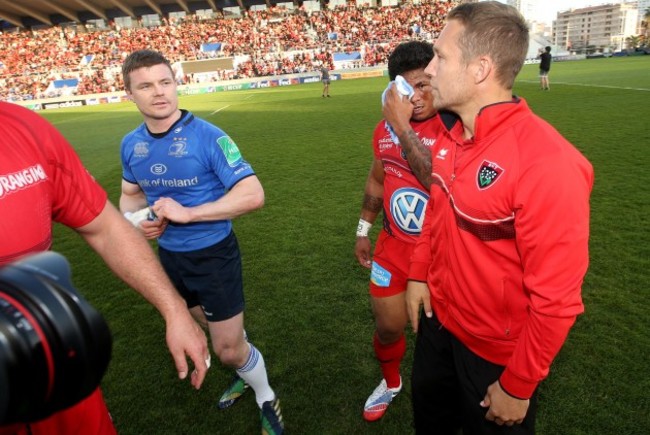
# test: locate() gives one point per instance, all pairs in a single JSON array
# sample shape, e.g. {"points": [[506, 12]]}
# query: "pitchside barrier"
{"points": [[206, 88]]}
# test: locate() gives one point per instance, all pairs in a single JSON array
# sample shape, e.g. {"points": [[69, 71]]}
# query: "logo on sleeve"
{"points": [[488, 174], [230, 150]]}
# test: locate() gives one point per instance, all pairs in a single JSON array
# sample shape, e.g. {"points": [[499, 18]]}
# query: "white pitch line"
{"points": [[220, 109], [225, 107], [591, 86]]}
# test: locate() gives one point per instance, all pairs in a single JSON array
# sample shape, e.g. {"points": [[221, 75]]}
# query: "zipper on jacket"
{"points": [[453, 167], [506, 307]]}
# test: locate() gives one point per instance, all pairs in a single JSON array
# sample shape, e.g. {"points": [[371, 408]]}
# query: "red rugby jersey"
{"points": [[405, 198], [41, 180]]}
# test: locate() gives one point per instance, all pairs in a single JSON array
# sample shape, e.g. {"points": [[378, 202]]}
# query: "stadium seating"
{"points": [[263, 43]]}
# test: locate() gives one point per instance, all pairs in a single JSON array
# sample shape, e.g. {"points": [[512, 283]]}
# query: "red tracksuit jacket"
{"points": [[504, 248]]}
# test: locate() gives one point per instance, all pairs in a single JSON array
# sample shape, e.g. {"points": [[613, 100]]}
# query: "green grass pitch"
{"points": [[307, 304]]}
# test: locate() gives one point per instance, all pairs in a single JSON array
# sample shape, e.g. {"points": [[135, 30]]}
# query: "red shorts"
{"points": [[88, 417], [390, 266]]}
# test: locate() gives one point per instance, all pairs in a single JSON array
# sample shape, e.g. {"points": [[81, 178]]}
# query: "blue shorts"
{"points": [[210, 277]]}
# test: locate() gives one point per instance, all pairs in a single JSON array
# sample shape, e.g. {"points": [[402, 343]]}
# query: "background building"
{"points": [[530, 9], [595, 29], [644, 6]]}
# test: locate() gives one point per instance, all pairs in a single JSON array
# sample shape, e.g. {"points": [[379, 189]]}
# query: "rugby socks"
{"points": [[390, 357], [254, 373]]}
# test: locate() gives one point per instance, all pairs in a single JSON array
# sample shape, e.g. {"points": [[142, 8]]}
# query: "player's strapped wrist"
{"points": [[363, 228], [140, 215]]}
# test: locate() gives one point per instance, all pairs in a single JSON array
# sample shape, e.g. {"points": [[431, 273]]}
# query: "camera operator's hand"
{"points": [[185, 338]]}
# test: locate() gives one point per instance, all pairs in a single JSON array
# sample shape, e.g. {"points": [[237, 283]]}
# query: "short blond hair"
{"points": [[497, 30]]}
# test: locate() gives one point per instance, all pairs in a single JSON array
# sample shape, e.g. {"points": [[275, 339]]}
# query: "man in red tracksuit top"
{"points": [[501, 258], [42, 181]]}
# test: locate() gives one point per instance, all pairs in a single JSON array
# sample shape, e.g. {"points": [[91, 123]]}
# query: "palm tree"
{"points": [[633, 41]]}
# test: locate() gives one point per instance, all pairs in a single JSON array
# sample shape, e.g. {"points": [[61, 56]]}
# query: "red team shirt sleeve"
{"points": [[552, 227], [421, 257], [377, 134], [77, 197], [41, 180]]}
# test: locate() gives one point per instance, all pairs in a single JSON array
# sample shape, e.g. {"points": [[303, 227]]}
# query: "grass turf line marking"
{"points": [[627, 88], [219, 110], [225, 107]]}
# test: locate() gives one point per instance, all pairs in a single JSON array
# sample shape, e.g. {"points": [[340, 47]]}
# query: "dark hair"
{"points": [[142, 59], [548, 48], [494, 29], [409, 56]]}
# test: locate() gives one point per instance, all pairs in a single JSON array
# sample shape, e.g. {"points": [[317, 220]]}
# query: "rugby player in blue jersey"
{"points": [[194, 179]]}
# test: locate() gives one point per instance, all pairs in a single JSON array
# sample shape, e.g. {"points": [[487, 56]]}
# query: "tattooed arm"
{"points": [[373, 198], [397, 112], [418, 156]]}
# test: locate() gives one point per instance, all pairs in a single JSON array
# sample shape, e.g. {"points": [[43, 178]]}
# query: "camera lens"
{"points": [[54, 347]]}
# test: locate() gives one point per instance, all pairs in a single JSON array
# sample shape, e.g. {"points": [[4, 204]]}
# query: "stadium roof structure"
{"points": [[29, 13]]}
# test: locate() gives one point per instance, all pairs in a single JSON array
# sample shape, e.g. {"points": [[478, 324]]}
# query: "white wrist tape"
{"points": [[363, 228], [138, 216]]}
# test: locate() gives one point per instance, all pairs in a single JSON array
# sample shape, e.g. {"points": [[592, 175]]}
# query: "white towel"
{"points": [[141, 215], [404, 89]]}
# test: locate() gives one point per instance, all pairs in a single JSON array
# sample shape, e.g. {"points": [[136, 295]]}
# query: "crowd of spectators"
{"points": [[273, 41]]}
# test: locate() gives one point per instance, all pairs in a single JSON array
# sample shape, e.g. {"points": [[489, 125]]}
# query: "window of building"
{"points": [[151, 20], [232, 12], [204, 14], [124, 22], [178, 16], [98, 24]]}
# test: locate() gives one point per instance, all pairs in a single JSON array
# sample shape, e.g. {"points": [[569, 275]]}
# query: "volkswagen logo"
{"points": [[407, 207], [158, 169]]}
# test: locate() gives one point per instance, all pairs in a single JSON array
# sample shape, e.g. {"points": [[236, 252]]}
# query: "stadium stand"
{"points": [[46, 61]]}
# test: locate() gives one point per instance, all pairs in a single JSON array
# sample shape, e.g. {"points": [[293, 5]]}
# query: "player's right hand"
{"points": [[362, 249], [185, 338], [397, 111], [417, 295], [503, 409]]}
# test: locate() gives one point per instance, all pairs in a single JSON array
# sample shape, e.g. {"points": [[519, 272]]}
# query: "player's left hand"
{"points": [[502, 407], [167, 208], [417, 295]]}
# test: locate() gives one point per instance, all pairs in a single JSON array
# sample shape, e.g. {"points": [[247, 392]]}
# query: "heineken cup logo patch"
{"points": [[230, 150], [488, 173]]}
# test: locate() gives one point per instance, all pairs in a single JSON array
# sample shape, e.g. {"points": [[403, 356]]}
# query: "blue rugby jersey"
{"points": [[194, 162]]}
